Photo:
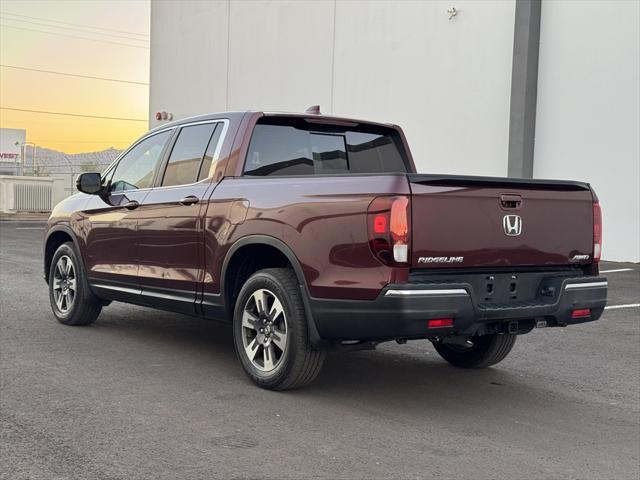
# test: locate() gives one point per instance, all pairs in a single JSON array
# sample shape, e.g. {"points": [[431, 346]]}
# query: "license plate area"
{"points": [[505, 288]]}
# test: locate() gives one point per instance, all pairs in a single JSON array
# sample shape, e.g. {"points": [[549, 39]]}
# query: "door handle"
{"points": [[190, 200], [131, 205]]}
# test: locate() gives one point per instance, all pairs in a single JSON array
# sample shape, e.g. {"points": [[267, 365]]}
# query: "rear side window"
{"points": [[188, 154], [207, 161], [301, 148]]}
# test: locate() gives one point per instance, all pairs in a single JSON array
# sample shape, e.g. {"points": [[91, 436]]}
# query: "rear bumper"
{"points": [[402, 311]]}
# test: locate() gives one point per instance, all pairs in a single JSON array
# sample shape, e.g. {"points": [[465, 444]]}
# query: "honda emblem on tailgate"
{"points": [[512, 225]]}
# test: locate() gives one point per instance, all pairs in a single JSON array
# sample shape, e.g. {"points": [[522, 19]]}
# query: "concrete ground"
{"points": [[143, 394]]}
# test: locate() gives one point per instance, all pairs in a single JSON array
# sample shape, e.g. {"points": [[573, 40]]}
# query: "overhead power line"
{"points": [[75, 36], [73, 75], [51, 20], [72, 29], [73, 114]]}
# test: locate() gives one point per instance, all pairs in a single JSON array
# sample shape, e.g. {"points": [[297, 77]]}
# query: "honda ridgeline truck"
{"points": [[311, 234]]}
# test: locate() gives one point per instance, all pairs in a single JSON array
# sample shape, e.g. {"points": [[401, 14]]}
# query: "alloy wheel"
{"points": [[64, 284], [264, 330]]}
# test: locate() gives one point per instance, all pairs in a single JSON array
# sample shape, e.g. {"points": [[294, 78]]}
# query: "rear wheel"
{"points": [[71, 300], [270, 332], [486, 350]]}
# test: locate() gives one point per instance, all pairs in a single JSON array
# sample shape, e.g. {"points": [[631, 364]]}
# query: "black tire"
{"points": [[84, 307], [487, 350], [299, 362]]}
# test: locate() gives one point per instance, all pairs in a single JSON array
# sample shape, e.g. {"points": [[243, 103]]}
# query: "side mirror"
{"points": [[90, 183]]}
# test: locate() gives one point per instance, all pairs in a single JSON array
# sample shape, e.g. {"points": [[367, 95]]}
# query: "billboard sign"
{"points": [[11, 141]]}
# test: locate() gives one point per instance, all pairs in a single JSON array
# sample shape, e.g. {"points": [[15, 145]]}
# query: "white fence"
{"points": [[30, 194]]}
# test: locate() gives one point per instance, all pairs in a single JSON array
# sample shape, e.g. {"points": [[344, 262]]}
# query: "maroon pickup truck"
{"points": [[312, 233]]}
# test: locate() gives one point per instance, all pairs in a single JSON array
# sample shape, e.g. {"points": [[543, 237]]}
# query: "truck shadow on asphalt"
{"points": [[395, 378]]}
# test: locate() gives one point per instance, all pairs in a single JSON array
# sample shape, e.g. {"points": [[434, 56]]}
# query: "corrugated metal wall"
{"points": [[29, 197]]}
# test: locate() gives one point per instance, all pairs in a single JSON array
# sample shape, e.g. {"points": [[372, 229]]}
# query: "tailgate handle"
{"points": [[510, 202]]}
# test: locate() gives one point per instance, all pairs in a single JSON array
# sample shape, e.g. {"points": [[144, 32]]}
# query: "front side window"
{"points": [[291, 147], [137, 168], [187, 154]]}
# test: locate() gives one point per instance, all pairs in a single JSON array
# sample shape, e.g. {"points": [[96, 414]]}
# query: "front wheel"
{"points": [[270, 332], [486, 350], [71, 300]]}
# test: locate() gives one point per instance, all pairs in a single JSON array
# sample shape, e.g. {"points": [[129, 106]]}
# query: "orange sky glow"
{"points": [[121, 54]]}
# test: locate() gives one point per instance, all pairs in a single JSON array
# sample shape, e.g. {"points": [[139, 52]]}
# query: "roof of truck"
{"points": [[229, 115]]}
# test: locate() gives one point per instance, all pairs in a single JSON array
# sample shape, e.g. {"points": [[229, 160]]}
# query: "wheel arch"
{"points": [[245, 244], [259, 240], [54, 238]]}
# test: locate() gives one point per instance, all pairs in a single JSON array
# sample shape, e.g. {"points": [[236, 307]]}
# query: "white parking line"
{"points": [[617, 270], [29, 228], [629, 305]]}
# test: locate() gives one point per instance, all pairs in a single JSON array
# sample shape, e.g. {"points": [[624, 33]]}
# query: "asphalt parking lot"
{"points": [[152, 395]]}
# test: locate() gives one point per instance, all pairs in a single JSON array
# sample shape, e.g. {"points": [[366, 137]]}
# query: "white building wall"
{"points": [[280, 55], [447, 83], [588, 115], [188, 65]]}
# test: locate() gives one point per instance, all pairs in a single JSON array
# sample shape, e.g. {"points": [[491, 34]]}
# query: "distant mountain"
{"points": [[51, 162]]}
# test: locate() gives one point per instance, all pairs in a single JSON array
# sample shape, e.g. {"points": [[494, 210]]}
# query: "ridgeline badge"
{"points": [[440, 259]]}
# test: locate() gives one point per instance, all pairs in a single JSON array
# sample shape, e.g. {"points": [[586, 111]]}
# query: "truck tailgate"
{"points": [[460, 221]]}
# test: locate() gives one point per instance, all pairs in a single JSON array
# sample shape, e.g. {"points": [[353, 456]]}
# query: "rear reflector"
{"points": [[582, 312], [440, 322]]}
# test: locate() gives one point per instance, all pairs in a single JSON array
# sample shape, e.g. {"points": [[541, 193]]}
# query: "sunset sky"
{"points": [[121, 54]]}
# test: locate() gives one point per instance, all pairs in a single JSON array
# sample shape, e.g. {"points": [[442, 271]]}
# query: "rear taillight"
{"points": [[388, 219], [597, 232]]}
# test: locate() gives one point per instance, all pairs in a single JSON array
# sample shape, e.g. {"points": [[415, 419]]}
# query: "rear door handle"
{"points": [[131, 205], [190, 200]]}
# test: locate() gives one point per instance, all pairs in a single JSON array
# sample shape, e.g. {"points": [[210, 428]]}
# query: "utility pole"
{"points": [[23, 154], [64, 155]]}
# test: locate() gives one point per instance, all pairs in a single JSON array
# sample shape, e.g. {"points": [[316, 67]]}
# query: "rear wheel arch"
{"points": [[230, 285], [247, 256]]}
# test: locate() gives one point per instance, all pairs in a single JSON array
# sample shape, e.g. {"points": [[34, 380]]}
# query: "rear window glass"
{"points": [[329, 153], [281, 146], [187, 154], [205, 168], [371, 152], [279, 150]]}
